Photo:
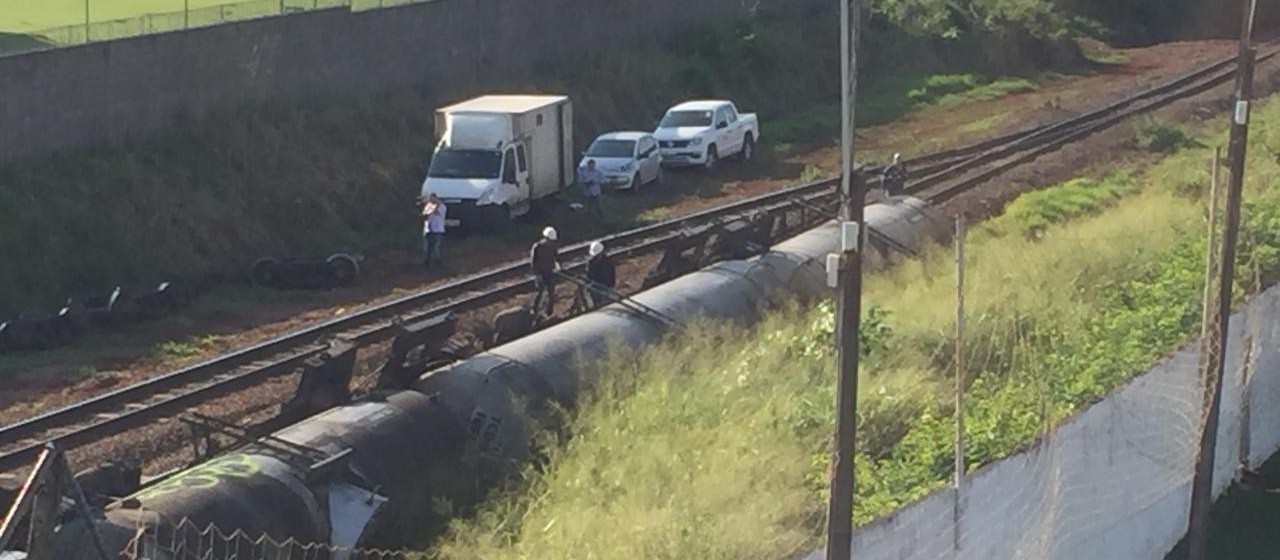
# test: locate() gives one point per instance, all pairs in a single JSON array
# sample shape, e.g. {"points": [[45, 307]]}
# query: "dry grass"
{"points": [[713, 445]]}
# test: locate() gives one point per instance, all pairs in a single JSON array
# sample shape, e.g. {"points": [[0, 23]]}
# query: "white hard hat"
{"points": [[550, 233], [596, 248]]}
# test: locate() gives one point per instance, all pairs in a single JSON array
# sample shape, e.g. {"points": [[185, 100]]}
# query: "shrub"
{"points": [[1154, 135]]}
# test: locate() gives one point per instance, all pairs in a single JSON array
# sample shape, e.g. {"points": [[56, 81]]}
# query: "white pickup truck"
{"points": [[704, 132]]}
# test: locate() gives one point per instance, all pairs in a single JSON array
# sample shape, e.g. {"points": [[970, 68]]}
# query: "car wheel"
{"points": [[636, 182], [657, 177], [712, 156], [748, 148]]}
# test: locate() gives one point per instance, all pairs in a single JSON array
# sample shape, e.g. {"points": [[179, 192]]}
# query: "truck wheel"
{"points": [[712, 156], [748, 148], [500, 216]]}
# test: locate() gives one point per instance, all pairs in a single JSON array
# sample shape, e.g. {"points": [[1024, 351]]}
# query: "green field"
{"points": [[121, 18], [25, 16]]}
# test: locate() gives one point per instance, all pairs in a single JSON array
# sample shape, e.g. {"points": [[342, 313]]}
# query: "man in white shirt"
{"points": [[591, 180], [433, 215]]}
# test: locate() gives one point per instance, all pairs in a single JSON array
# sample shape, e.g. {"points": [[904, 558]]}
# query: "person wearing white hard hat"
{"points": [[601, 273], [894, 179], [544, 258]]}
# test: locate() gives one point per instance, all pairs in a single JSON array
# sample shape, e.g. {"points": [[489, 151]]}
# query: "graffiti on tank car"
{"points": [[484, 428], [205, 476]]}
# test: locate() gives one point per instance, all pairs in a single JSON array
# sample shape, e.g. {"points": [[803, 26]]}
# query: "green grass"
{"points": [[884, 99], [1100, 53], [185, 348], [34, 15], [1033, 213], [716, 446], [1155, 135], [984, 125], [62, 21]]}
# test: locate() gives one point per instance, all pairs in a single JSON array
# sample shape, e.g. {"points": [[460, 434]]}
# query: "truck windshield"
{"points": [[612, 149], [466, 164], [676, 119]]}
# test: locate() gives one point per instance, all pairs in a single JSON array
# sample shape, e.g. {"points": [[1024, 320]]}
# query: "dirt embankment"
{"points": [[311, 179]]}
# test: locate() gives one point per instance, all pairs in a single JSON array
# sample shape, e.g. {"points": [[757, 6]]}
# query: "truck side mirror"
{"points": [[721, 125]]}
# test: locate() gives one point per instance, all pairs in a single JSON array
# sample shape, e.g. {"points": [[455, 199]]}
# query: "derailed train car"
{"points": [[379, 472]]}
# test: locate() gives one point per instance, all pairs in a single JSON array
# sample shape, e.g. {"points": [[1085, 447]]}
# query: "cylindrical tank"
{"points": [[463, 427], [400, 455], [491, 392]]}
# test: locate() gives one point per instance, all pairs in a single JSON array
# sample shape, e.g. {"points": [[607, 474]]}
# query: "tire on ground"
{"points": [[345, 269], [266, 272]]}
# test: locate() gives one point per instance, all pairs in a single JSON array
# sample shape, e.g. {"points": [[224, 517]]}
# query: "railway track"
{"points": [[942, 176]]}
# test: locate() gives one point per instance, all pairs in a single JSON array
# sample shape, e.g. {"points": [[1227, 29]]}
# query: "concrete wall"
{"points": [[1111, 482], [112, 91]]}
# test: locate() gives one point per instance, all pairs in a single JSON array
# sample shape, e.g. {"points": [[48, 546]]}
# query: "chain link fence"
{"points": [[190, 541], [150, 23]]}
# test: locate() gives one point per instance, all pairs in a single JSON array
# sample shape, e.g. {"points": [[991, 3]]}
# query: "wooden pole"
{"points": [[1214, 366], [849, 309], [1210, 251]]}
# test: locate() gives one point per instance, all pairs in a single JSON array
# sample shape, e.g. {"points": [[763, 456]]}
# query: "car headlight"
{"points": [[486, 197], [627, 166], [696, 142]]}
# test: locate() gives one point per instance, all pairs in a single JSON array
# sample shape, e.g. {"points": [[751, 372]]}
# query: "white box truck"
{"points": [[497, 154]]}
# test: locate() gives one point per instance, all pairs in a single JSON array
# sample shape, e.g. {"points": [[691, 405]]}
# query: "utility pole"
{"points": [[1214, 364], [848, 265], [960, 376]]}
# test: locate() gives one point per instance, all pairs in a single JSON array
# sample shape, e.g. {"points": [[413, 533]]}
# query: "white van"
{"points": [[497, 154]]}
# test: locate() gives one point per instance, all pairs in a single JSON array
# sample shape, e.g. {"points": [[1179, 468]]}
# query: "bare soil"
{"points": [[237, 317]]}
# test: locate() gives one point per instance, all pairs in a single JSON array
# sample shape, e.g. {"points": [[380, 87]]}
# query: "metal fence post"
{"points": [[186, 14], [86, 21]]}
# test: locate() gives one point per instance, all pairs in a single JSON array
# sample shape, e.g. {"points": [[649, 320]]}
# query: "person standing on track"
{"points": [[601, 274], [592, 181], [433, 216], [544, 258], [894, 179]]}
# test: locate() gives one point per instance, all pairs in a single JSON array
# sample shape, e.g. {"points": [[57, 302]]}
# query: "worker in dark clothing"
{"points": [[601, 273], [544, 259], [894, 179]]}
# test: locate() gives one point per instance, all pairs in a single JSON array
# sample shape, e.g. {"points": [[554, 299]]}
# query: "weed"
{"points": [[85, 372], [1155, 135], [1033, 213], [811, 173], [185, 348]]}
